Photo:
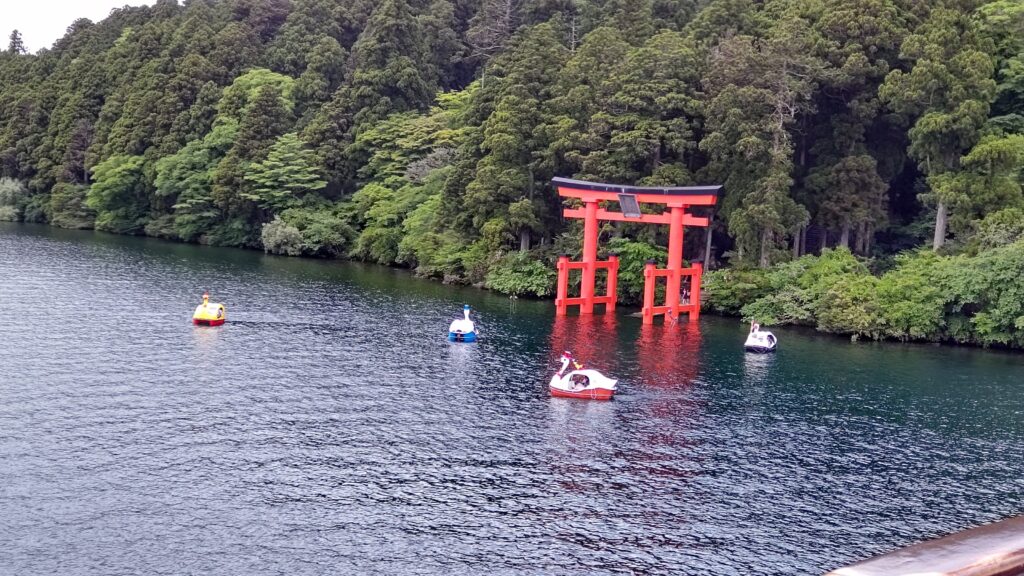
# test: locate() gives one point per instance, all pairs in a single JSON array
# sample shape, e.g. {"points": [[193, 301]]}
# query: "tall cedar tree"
{"points": [[948, 90]]}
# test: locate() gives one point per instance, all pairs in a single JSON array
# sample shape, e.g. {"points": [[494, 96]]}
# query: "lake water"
{"points": [[329, 428]]}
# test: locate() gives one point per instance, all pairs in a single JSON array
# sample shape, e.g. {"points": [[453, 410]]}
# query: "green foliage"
{"points": [[512, 165], [321, 77], [421, 242], [376, 244], [36, 209], [787, 306], [992, 289], [989, 180], [914, 297], [410, 145], [185, 179], [1001, 228], [391, 71], [279, 237], [286, 178], [13, 197], [482, 254], [658, 92], [68, 207], [851, 306], [521, 273], [798, 289], [728, 290], [119, 195], [398, 210], [976, 300], [325, 233], [245, 92], [948, 90], [265, 119], [161, 226], [236, 231], [379, 239], [758, 90], [633, 257]]}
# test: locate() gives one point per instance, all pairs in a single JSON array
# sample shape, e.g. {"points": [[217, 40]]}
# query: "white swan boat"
{"points": [[760, 341], [580, 383]]}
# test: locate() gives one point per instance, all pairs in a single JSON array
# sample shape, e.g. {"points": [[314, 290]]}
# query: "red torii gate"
{"points": [[677, 199]]}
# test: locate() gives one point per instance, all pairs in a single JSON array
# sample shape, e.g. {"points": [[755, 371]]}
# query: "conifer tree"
{"points": [[948, 91], [492, 27], [583, 104], [265, 118], [309, 23], [322, 76], [391, 71], [844, 186], [515, 163], [758, 90], [16, 44], [438, 123]]}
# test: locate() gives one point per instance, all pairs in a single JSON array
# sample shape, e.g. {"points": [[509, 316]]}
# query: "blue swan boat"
{"points": [[463, 329]]}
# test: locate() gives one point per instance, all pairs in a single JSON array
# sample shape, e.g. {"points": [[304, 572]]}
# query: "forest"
{"points": [[870, 150]]}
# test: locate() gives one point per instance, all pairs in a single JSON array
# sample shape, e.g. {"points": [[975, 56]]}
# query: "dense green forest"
{"points": [[886, 136]]}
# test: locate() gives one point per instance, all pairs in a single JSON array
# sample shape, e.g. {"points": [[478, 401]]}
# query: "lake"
{"points": [[329, 427]]}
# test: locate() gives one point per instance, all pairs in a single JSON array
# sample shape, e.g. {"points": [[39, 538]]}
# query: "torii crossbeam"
{"points": [[678, 199]]}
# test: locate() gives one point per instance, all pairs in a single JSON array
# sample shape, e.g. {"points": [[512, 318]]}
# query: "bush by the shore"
{"points": [[972, 299]]}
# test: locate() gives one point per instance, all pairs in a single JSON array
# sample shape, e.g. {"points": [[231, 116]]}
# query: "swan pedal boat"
{"points": [[760, 341], [462, 329], [564, 385]]}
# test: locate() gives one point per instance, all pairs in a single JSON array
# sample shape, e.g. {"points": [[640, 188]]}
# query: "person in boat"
{"points": [[579, 382]]}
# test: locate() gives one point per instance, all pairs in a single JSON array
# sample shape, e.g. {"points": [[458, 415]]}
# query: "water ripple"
{"points": [[329, 428]]}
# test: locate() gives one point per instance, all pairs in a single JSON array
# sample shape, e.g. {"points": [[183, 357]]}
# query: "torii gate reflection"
{"points": [[669, 357], [678, 199], [669, 360], [588, 338]]}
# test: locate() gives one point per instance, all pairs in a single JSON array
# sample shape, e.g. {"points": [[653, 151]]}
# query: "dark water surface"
{"points": [[329, 428]]}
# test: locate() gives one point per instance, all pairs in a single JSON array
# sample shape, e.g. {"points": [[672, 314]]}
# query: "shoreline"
{"points": [[626, 309]]}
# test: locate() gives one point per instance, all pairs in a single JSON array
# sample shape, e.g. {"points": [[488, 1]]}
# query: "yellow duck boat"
{"points": [[207, 314]]}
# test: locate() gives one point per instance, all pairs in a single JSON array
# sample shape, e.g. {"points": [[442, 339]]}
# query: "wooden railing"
{"points": [[995, 549]]}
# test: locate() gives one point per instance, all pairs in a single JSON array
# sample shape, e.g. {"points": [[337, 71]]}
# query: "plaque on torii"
{"points": [[677, 199]]}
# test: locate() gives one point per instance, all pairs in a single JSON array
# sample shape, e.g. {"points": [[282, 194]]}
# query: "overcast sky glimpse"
{"points": [[42, 22]]}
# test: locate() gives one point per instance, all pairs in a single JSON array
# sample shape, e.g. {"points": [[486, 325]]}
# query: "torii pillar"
{"points": [[678, 200]]}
